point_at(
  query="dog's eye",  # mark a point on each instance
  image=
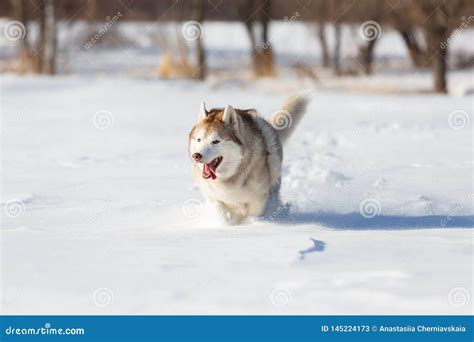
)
(216, 142)
(199, 139)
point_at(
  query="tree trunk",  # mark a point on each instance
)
(324, 44)
(337, 49)
(366, 55)
(436, 35)
(50, 47)
(20, 13)
(38, 58)
(417, 54)
(265, 51)
(440, 70)
(198, 15)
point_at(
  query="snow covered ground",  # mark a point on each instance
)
(100, 215)
(116, 209)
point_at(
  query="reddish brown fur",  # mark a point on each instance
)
(214, 123)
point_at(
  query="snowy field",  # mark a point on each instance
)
(100, 214)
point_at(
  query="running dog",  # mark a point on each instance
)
(237, 155)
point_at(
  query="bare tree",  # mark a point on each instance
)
(439, 19)
(366, 50)
(50, 44)
(197, 13)
(38, 59)
(324, 44)
(321, 13)
(415, 50)
(336, 10)
(260, 45)
(265, 56)
(20, 12)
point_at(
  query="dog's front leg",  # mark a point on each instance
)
(232, 215)
(256, 207)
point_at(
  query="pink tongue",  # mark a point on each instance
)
(210, 170)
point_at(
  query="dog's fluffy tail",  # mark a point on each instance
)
(289, 115)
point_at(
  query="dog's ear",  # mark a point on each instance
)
(230, 116)
(203, 111)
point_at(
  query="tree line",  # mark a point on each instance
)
(425, 26)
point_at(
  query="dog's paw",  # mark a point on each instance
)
(233, 219)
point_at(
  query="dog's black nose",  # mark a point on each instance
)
(197, 156)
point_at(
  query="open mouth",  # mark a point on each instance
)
(209, 170)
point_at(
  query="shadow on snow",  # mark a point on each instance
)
(355, 221)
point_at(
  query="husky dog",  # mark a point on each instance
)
(237, 157)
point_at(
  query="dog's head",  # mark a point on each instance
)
(214, 144)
